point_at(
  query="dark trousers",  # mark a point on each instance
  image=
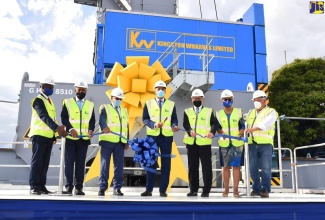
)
(41, 153)
(165, 147)
(196, 153)
(106, 150)
(75, 157)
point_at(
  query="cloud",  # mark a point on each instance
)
(42, 38)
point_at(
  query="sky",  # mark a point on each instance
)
(56, 37)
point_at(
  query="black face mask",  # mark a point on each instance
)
(81, 95)
(197, 103)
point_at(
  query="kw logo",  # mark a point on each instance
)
(139, 40)
(316, 7)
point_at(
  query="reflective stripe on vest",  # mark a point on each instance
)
(79, 120)
(231, 128)
(159, 116)
(260, 137)
(37, 126)
(200, 124)
(115, 124)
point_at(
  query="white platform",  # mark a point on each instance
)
(175, 195)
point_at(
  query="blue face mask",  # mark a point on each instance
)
(227, 103)
(161, 93)
(117, 103)
(48, 91)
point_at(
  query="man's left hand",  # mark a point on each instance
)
(90, 134)
(210, 135)
(175, 129)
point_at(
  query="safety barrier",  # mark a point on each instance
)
(245, 169)
(304, 165)
(295, 165)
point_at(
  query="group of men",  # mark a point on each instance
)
(201, 124)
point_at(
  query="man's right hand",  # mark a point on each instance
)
(193, 133)
(61, 130)
(160, 124)
(74, 133)
(107, 130)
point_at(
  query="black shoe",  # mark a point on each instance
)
(35, 192)
(264, 194)
(146, 193)
(69, 189)
(101, 193)
(205, 194)
(117, 193)
(45, 191)
(192, 194)
(255, 193)
(79, 192)
(163, 194)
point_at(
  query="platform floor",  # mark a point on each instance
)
(174, 195)
(16, 203)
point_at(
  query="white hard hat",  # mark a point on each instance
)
(81, 83)
(160, 83)
(197, 92)
(47, 80)
(226, 93)
(117, 92)
(258, 93)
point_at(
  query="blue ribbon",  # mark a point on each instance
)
(232, 137)
(221, 135)
(146, 151)
(81, 136)
(190, 131)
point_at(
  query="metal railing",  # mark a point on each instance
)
(245, 168)
(304, 165)
(299, 148)
(173, 49)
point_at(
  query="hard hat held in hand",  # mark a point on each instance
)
(47, 80)
(259, 93)
(117, 92)
(197, 92)
(226, 94)
(160, 83)
(81, 84)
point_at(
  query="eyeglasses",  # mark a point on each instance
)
(227, 99)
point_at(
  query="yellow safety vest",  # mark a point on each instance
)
(37, 126)
(115, 123)
(230, 127)
(260, 137)
(201, 125)
(79, 120)
(160, 116)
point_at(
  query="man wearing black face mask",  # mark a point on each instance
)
(42, 134)
(201, 125)
(79, 118)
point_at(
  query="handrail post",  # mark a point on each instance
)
(60, 191)
(296, 172)
(279, 151)
(248, 177)
(292, 170)
(61, 177)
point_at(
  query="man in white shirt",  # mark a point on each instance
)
(261, 130)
